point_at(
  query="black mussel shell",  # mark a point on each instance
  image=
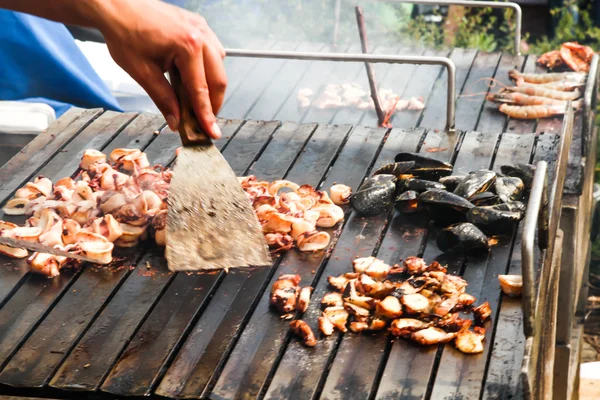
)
(395, 168)
(523, 171)
(445, 206)
(463, 237)
(418, 185)
(485, 199)
(451, 181)
(509, 188)
(515, 206)
(374, 197)
(425, 167)
(377, 180)
(407, 202)
(493, 220)
(476, 182)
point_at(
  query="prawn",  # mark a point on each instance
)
(562, 86)
(534, 90)
(532, 112)
(523, 99)
(519, 77)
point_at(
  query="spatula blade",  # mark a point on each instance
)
(210, 221)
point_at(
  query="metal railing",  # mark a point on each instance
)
(389, 59)
(464, 3)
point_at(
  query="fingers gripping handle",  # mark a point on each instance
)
(189, 128)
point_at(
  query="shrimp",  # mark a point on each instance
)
(522, 99)
(562, 86)
(520, 78)
(531, 112)
(534, 90)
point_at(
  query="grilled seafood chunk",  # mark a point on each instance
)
(431, 335)
(337, 316)
(469, 342)
(303, 331)
(416, 303)
(482, 312)
(389, 307)
(332, 299)
(511, 285)
(304, 298)
(405, 327)
(415, 265)
(284, 293)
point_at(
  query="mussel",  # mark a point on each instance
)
(523, 171)
(509, 188)
(395, 168)
(491, 219)
(463, 237)
(451, 181)
(418, 185)
(445, 206)
(375, 196)
(425, 167)
(484, 199)
(515, 206)
(476, 182)
(407, 202)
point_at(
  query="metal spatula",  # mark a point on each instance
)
(210, 222)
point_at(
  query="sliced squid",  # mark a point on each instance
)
(313, 241)
(90, 157)
(340, 194)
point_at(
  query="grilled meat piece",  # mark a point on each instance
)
(415, 265)
(338, 316)
(511, 285)
(416, 303)
(482, 312)
(389, 307)
(469, 342)
(332, 299)
(406, 326)
(431, 335)
(304, 298)
(303, 331)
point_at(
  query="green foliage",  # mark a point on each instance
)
(568, 29)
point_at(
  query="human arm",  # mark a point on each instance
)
(147, 38)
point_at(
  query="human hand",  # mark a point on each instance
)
(148, 38)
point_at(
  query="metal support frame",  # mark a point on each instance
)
(540, 298)
(589, 102)
(464, 3)
(389, 59)
(535, 208)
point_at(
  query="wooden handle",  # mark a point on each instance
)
(189, 128)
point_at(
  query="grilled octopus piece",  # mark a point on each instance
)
(303, 331)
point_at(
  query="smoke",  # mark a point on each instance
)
(236, 22)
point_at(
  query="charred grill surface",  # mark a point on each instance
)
(137, 330)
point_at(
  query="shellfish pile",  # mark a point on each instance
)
(291, 218)
(414, 300)
(120, 200)
(476, 206)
